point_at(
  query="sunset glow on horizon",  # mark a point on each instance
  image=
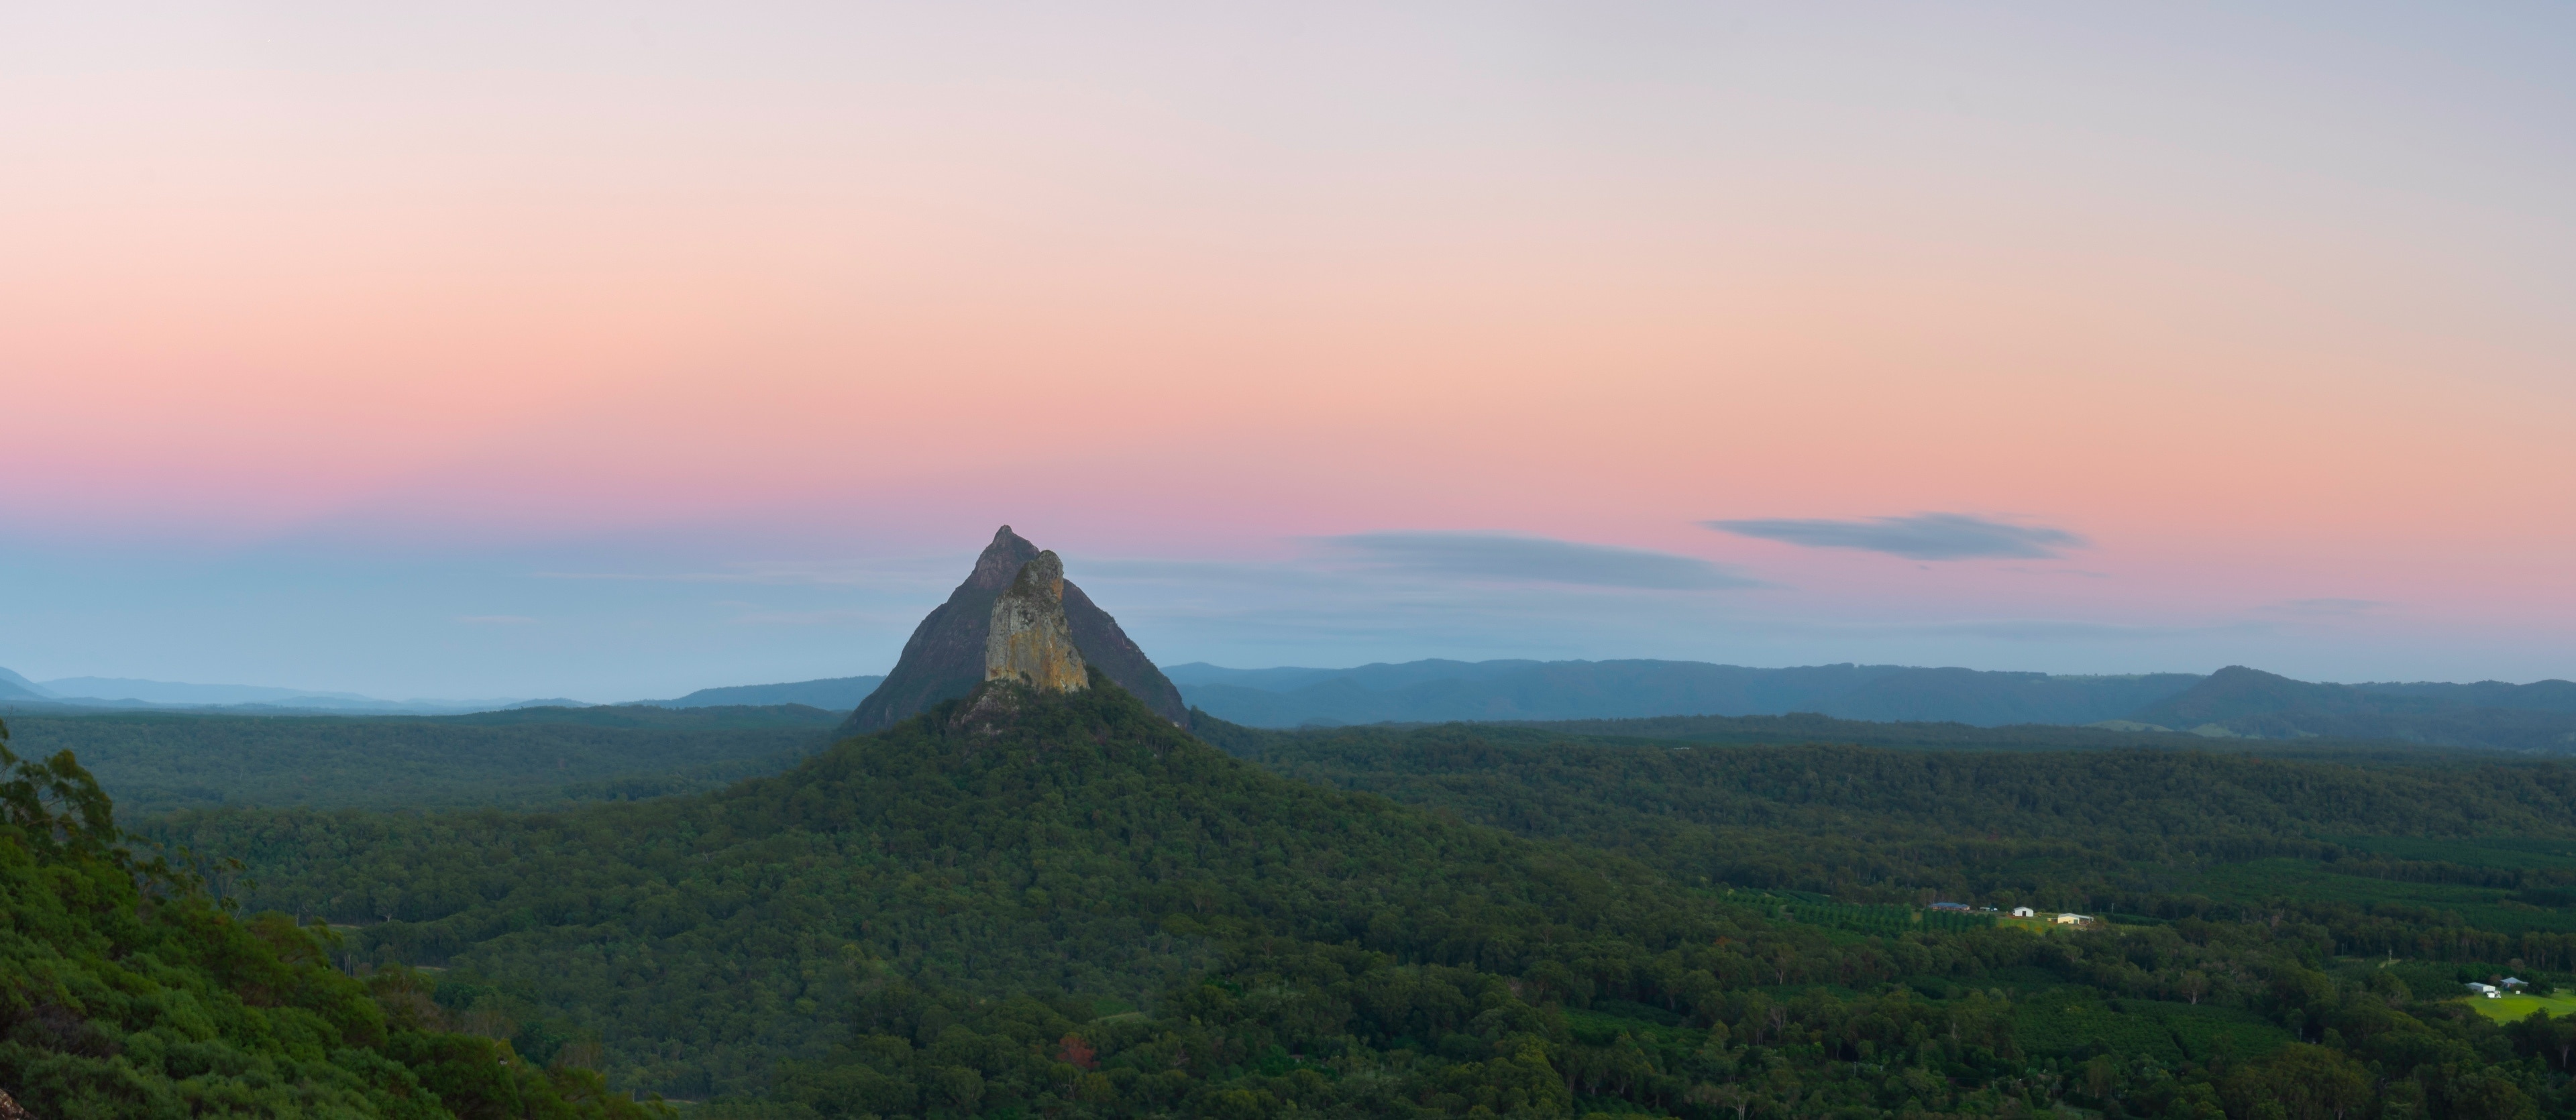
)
(618, 351)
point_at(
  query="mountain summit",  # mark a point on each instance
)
(950, 652)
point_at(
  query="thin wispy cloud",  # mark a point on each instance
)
(2332, 606)
(1515, 558)
(814, 618)
(2069, 630)
(780, 573)
(1920, 536)
(746, 613)
(1234, 576)
(2078, 573)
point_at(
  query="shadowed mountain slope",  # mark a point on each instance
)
(944, 659)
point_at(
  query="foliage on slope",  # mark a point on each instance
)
(125, 991)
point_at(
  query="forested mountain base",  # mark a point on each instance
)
(1089, 913)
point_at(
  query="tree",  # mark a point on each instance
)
(2307, 1082)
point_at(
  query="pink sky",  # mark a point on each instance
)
(2268, 311)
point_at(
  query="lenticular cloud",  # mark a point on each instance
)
(1921, 536)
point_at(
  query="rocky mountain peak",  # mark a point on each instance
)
(1030, 640)
(947, 655)
(1002, 560)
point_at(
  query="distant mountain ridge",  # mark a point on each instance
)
(15, 687)
(2236, 692)
(70, 694)
(174, 692)
(1431, 691)
(121, 693)
(2249, 702)
(2233, 702)
(843, 693)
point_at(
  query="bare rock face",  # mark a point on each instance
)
(946, 657)
(1031, 641)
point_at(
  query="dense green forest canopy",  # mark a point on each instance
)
(1083, 912)
(2140, 830)
(157, 762)
(127, 991)
(1088, 847)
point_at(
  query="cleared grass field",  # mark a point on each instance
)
(2515, 1008)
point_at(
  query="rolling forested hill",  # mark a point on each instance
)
(1086, 912)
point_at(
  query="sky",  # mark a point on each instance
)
(616, 350)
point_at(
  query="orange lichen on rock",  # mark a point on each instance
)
(1030, 640)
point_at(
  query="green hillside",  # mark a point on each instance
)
(126, 991)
